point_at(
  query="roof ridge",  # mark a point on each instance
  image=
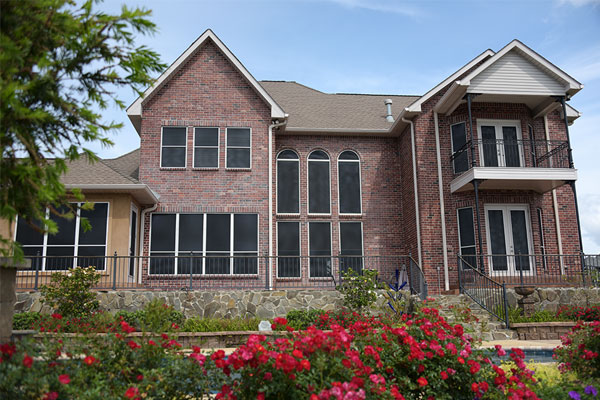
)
(376, 94)
(118, 172)
(121, 156)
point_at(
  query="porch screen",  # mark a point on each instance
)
(288, 249)
(245, 243)
(319, 249)
(218, 242)
(351, 246)
(459, 141)
(349, 183)
(319, 189)
(467, 237)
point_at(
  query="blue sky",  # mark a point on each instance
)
(391, 47)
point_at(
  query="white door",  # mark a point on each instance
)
(501, 143)
(508, 232)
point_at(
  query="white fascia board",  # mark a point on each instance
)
(117, 188)
(451, 99)
(135, 109)
(335, 130)
(573, 86)
(416, 106)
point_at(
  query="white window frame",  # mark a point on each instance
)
(230, 253)
(227, 147)
(330, 250)
(359, 183)
(161, 147)
(308, 161)
(299, 250)
(76, 239)
(218, 147)
(498, 124)
(277, 183)
(511, 271)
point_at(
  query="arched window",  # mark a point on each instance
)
(288, 182)
(319, 183)
(349, 183)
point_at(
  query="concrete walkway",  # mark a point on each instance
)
(523, 344)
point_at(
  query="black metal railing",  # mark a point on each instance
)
(512, 153)
(219, 272)
(537, 269)
(483, 290)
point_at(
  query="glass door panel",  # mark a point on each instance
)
(519, 239)
(489, 145)
(497, 240)
(512, 157)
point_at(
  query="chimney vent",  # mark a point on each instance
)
(388, 106)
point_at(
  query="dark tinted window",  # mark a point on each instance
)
(66, 229)
(459, 140)
(318, 184)
(174, 136)
(190, 233)
(349, 187)
(163, 232)
(288, 247)
(288, 178)
(351, 245)
(320, 245)
(206, 137)
(466, 231)
(173, 147)
(245, 232)
(27, 235)
(238, 137)
(217, 232)
(206, 148)
(97, 219)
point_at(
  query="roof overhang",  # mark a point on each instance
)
(335, 131)
(134, 111)
(140, 192)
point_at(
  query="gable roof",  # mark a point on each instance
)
(311, 110)
(134, 111)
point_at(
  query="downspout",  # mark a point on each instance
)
(442, 207)
(270, 262)
(554, 201)
(143, 236)
(414, 162)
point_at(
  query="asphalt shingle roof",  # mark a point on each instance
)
(310, 108)
(118, 171)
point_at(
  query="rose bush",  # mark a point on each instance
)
(576, 313)
(580, 350)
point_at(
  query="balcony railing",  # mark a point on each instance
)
(512, 153)
(240, 272)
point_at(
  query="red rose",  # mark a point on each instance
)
(422, 381)
(64, 379)
(131, 392)
(50, 396)
(27, 361)
(444, 375)
(56, 316)
(89, 360)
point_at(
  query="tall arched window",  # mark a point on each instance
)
(349, 183)
(319, 183)
(288, 182)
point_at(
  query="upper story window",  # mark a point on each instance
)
(173, 147)
(349, 183)
(288, 182)
(238, 148)
(459, 147)
(71, 246)
(206, 147)
(319, 183)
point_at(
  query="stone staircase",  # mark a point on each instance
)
(477, 322)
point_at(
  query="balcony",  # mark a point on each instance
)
(500, 164)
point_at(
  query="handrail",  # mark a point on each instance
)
(483, 290)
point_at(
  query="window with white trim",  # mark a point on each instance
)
(351, 246)
(71, 245)
(173, 147)
(466, 236)
(319, 183)
(288, 249)
(206, 147)
(215, 244)
(319, 244)
(288, 182)
(349, 183)
(238, 148)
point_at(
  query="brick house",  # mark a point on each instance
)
(240, 183)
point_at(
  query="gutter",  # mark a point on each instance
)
(414, 162)
(132, 186)
(270, 263)
(442, 206)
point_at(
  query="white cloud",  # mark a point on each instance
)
(389, 6)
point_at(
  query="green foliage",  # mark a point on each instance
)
(580, 350)
(60, 62)
(25, 320)
(576, 313)
(302, 319)
(359, 290)
(70, 294)
(157, 316)
(197, 324)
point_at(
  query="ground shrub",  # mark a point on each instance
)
(197, 324)
(157, 316)
(302, 319)
(25, 320)
(359, 289)
(575, 313)
(70, 295)
(580, 350)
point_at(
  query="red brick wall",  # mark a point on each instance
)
(207, 91)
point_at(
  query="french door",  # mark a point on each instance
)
(501, 143)
(508, 231)
(132, 243)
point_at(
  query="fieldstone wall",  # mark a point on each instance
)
(551, 299)
(262, 304)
